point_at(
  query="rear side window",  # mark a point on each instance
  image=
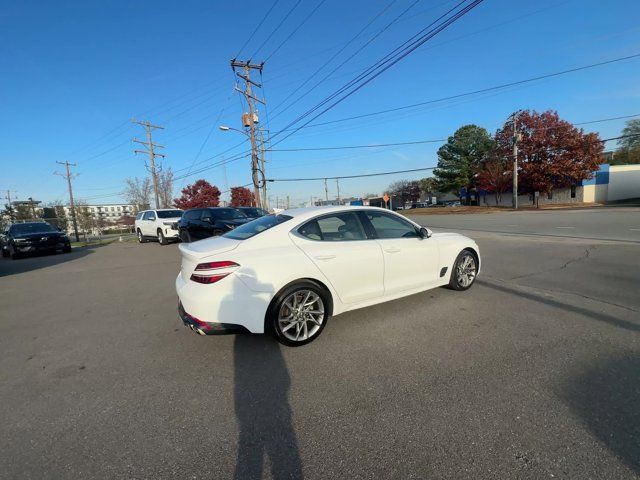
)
(192, 215)
(338, 227)
(257, 226)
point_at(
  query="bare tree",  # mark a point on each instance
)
(165, 188)
(138, 192)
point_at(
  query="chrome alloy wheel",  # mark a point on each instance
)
(466, 270)
(301, 315)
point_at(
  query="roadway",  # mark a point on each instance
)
(533, 373)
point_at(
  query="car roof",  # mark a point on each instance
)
(309, 212)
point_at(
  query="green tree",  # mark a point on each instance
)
(429, 184)
(628, 150)
(460, 158)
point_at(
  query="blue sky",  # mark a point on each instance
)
(76, 73)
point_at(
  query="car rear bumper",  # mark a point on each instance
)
(205, 328)
(227, 306)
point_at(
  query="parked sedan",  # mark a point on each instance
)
(34, 237)
(253, 212)
(199, 223)
(288, 273)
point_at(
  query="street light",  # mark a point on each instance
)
(224, 128)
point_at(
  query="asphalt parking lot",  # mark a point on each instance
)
(533, 373)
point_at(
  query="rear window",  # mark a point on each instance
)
(169, 213)
(258, 225)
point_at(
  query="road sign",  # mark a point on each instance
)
(385, 197)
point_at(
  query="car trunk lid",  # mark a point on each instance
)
(210, 249)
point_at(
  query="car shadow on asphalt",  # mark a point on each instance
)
(601, 317)
(9, 266)
(262, 410)
(607, 399)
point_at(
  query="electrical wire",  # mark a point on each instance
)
(382, 65)
(246, 42)
(295, 30)
(284, 19)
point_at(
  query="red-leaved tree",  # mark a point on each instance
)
(200, 194)
(551, 151)
(241, 197)
(495, 176)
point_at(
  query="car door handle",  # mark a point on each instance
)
(324, 257)
(392, 250)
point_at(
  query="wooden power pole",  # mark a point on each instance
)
(516, 137)
(152, 155)
(68, 176)
(250, 118)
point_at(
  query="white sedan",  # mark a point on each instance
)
(290, 272)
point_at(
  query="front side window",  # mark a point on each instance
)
(391, 226)
(139, 215)
(149, 216)
(257, 226)
(227, 214)
(337, 227)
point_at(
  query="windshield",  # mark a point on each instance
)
(256, 226)
(21, 228)
(227, 213)
(169, 213)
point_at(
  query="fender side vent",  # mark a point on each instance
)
(443, 270)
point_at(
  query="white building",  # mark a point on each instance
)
(109, 213)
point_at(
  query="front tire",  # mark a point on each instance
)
(66, 249)
(141, 238)
(299, 313)
(465, 271)
(162, 240)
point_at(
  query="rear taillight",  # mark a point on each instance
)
(208, 278)
(216, 265)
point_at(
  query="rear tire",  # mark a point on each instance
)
(162, 240)
(5, 253)
(465, 271)
(298, 313)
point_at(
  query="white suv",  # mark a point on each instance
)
(159, 224)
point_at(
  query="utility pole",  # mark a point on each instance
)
(516, 138)
(71, 204)
(326, 191)
(9, 205)
(251, 117)
(263, 180)
(152, 155)
(338, 185)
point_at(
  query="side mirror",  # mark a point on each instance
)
(425, 232)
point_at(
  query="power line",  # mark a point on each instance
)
(349, 176)
(344, 147)
(295, 30)
(475, 92)
(438, 140)
(257, 28)
(362, 47)
(384, 64)
(284, 19)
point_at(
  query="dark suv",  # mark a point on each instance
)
(200, 223)
(33, 237)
